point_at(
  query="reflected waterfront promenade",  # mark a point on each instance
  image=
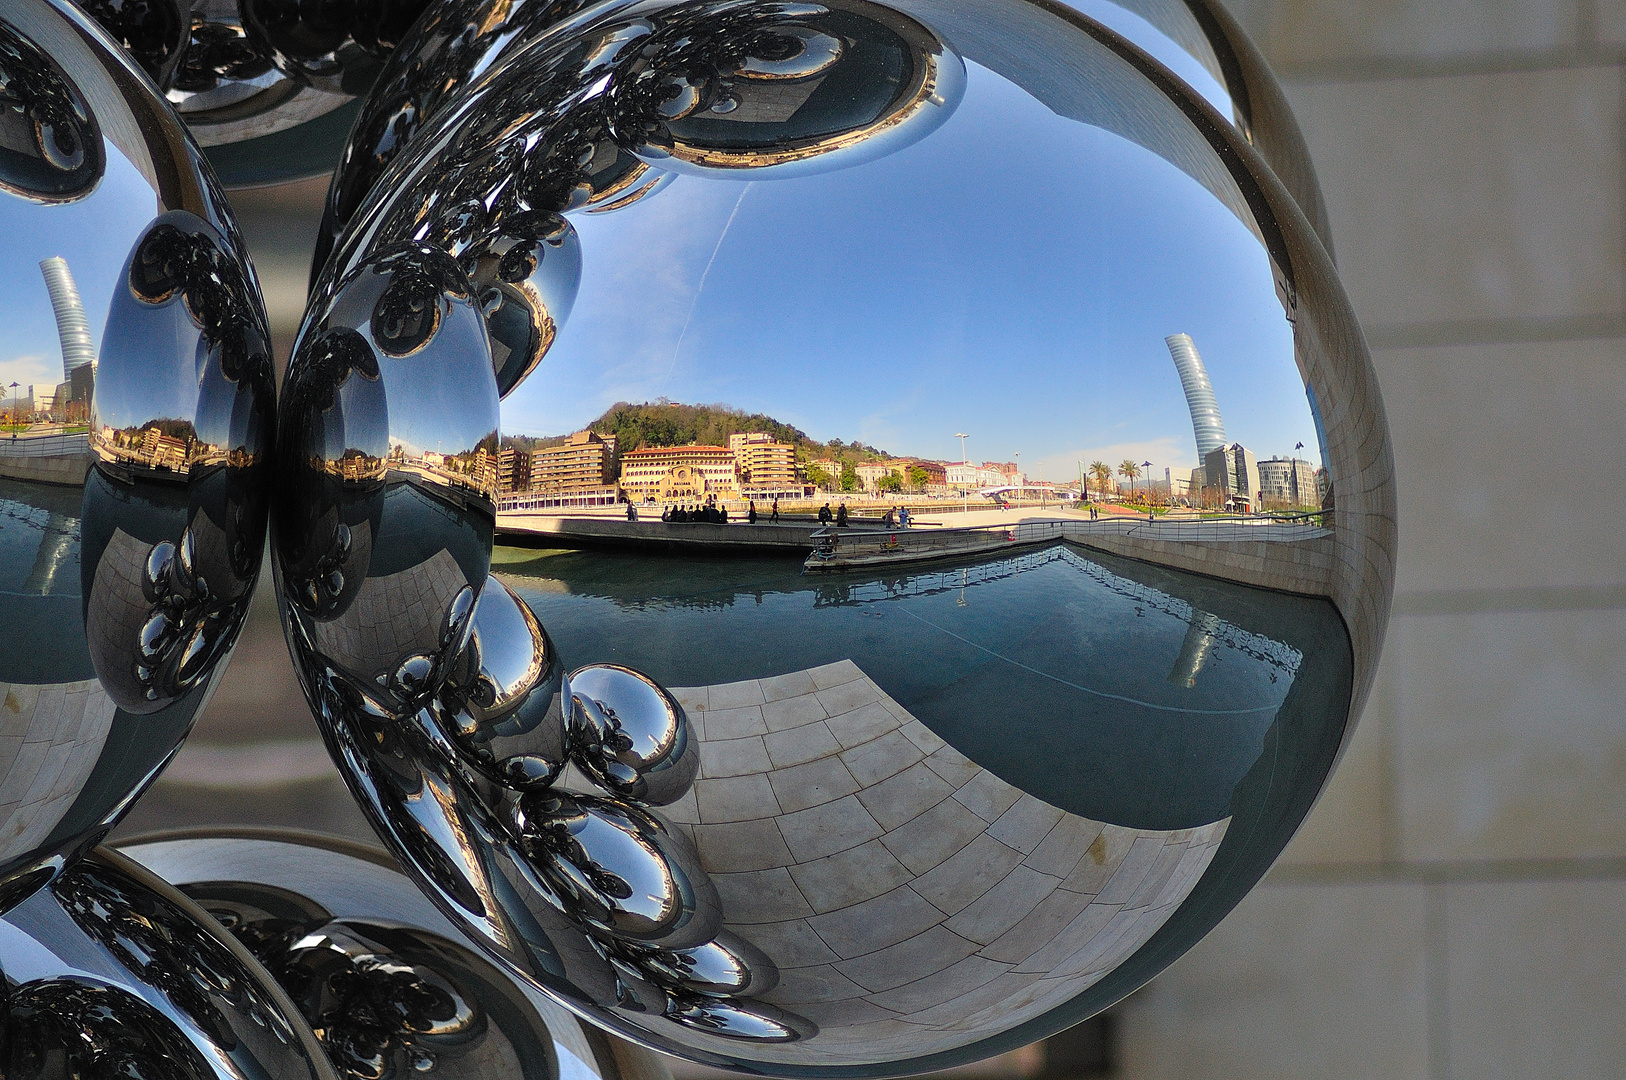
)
(1173, 709)
(1289, 552)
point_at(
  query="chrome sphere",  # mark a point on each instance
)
(631, 736)
(381, 976)
(958, 781)
(110, 971)
(270, 86)
(133, 470)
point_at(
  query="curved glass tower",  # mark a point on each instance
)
(1205, 414)
(71, 324)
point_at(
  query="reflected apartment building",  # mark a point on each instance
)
(585, 470)
(473, 470)
(767, 467)
(679, 473)
(153, 450)
(583, 464)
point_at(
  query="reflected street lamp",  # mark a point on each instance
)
(1296, 449)
(965, 498)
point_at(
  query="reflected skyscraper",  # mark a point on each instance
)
(71, 325)
(1205, 414)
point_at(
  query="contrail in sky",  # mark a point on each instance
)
(702, 286)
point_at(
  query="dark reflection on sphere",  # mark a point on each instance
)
(886, 796)
(154, 31)
(332, 44)
(112, 972)
(436, 55)
(383, 977)
(50, 143)
(135, 487)
(624, 871)
(218, 57)
(387, 473)
(631, 738)
(504, 703)
(71, 1028)
(525, 276)
(244, 73)
(775, 88)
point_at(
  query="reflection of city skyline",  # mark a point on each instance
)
(472, 470)
(164, 448)
(1013, 378)
(594, 466)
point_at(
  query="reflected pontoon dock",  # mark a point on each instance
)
(557, 530)
(1285, 552)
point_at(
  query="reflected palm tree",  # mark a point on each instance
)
(1102, 473)
(1128, 470)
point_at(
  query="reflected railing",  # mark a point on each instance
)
(46, 446)
(835, 546)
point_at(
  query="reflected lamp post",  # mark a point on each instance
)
(965, 498)
(1296, 448)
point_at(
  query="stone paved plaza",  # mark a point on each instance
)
(890, 874)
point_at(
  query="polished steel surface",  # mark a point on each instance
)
(992, 746)
(242, 73)
(134, 474)
(631, 738)
(110, 971)
(384, 979)
(961, 782)
(1196, 41)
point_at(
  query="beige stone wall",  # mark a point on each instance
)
(1454, 906)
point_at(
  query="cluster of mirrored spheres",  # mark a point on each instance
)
(939, 793)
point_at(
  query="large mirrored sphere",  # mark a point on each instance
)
(385, 981)
(958, 447)
(137, 415)
(112, 972)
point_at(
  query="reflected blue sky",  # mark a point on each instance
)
(1012, 276)
(1162, 48)
(94, 235)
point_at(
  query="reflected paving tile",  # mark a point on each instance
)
(906, 888)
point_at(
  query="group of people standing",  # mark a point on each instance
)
(897, 517)
(712, 514)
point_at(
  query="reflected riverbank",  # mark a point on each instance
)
(1153, 692)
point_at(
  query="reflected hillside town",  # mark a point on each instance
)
(650, 455)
